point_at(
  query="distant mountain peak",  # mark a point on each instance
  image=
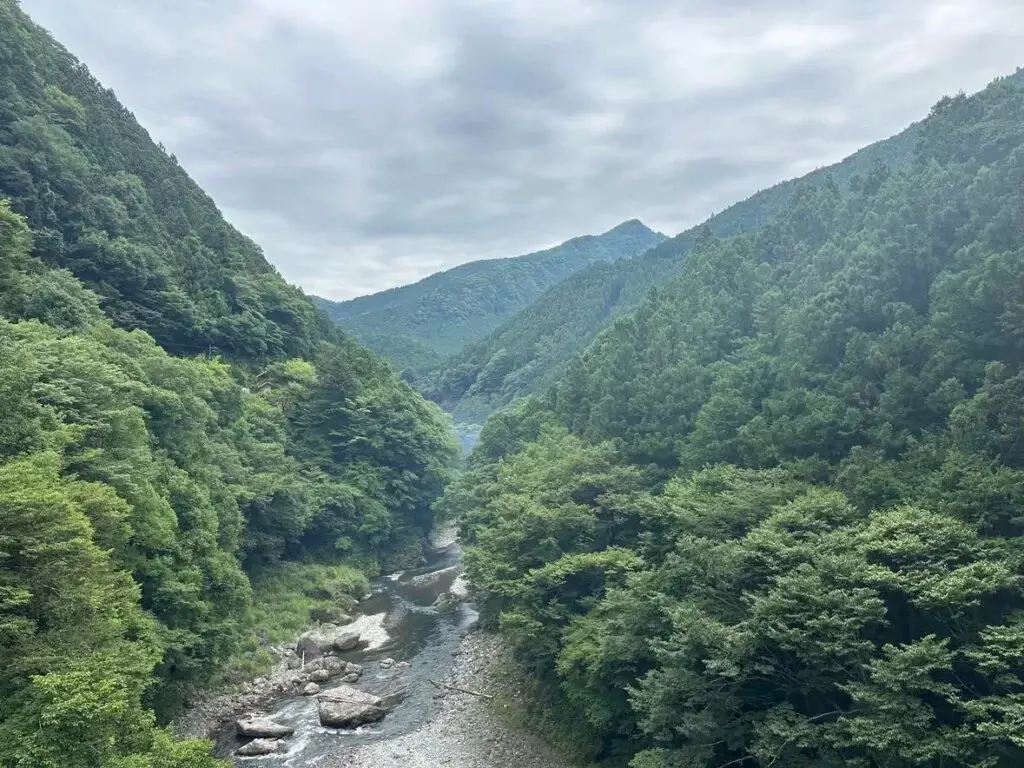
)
(449, 309)
(632, 227)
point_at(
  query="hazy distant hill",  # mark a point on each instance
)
(530, 349)
(440, 314)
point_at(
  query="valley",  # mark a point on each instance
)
(750, 495)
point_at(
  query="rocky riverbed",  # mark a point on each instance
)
(464, 731)
(410, 639)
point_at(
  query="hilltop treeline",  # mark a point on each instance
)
(175, 420)
(773, 517)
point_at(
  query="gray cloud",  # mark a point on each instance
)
(366, 145)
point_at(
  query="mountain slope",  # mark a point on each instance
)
(773, 516)
(530, 350)
(445, 311)
(116, 210)
(166, 514)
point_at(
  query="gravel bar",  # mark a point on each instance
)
(465, 731)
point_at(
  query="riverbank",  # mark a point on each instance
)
(464, 731)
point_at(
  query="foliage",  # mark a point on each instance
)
(530, 350)
(416, 326)
(143, 491)
(120, 214)
(773, 517)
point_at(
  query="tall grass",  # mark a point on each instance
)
(287, 600)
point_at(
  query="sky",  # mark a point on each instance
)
(366, 145)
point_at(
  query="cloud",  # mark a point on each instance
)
(366, 145)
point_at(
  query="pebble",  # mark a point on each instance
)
(463, 732)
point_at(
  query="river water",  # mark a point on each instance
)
(400, 624)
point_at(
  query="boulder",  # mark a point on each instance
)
(346, 641)
(446, 602)
(402, 665)
(316, 642)
(311, 689)
(319, 676)
(309, 646)
(332, 665)
(387, 663)
(292, 661)
(353, 669)
(262, 728)
(259, 747)
(347, 707)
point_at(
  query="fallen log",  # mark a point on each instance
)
(455, 688)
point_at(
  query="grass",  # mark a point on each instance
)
(287, 600)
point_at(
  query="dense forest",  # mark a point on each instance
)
(527, 353)
(177, 423)
(773, 518)
(417, 326)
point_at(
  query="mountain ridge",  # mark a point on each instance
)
(759, 520)
(529, 350)
(187, 444)
(448, 309)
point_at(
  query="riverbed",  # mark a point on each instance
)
(463, 731)
(397, 623)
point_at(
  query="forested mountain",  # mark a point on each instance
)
(773, 518)
(529, 351)
(143, 488)
(418, 325)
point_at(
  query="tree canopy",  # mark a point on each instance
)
(175, 420)
(417, 326)
(772, 518)
(530, 350)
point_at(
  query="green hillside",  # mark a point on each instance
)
(773, 516)
(178, 427)
(447, 310)
(528, 352)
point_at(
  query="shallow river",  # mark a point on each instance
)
(399, 624)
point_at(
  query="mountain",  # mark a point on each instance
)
(530, 349)
(444, 312)
(772, 517)
(194, 461)
(120, 214)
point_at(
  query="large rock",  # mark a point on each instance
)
(447, 602)
(311, 689)
(347, 707)
(332, 665)
(259, 747)
(314, 644)
(326, 639)
(319, 676)
(346, 641)
(262, 728)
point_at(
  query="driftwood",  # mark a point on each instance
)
(440, 686)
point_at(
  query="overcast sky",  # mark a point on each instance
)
(368, 143)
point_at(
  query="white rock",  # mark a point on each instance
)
(348, 707)
(259, 747)
(262, 728)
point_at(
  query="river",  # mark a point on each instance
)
(400, 624)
